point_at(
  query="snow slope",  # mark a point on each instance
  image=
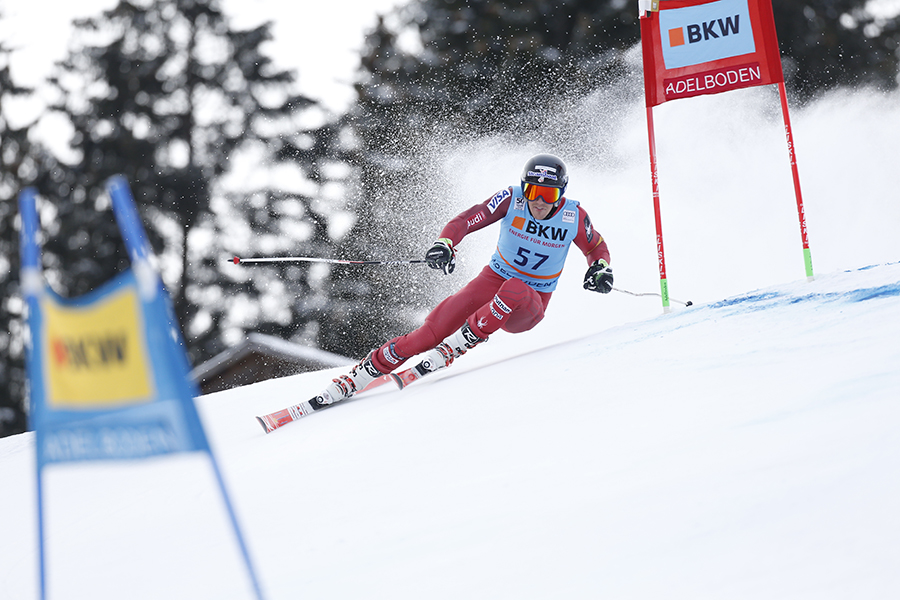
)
(745, 447)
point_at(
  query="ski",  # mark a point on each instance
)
(279, 418)
(273, 421)
(408, 376)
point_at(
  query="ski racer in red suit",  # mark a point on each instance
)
(538, 225)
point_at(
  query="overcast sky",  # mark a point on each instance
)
(320, 40)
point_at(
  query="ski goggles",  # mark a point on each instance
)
(550, 195)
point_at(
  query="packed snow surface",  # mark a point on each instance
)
(744, 448)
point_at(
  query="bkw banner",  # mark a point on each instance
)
(696, 47)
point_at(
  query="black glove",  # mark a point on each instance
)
(599, 277)
(442, 256)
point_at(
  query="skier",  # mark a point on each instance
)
(538, 225)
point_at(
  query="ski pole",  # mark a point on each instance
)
(334, 261)
(688, 303)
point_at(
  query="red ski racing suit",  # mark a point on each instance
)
(513, 290)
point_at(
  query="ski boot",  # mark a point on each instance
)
(440, 356)
(345, 386)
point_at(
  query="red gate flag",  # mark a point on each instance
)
(696, 47)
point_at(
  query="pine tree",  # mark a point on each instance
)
(12, 376)
(22, 163)
(167, 94)
(827, 44)
(489, 65)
